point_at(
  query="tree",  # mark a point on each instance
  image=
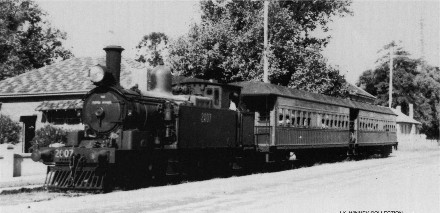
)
(9, 130)
(228, 43)
(48, 135)
(152, 49)
(27, 41)
(414, 82)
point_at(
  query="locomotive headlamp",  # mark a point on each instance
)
(96, 73)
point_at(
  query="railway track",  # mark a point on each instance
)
(38, 193)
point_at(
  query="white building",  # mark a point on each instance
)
(53, 94)
(406, 125)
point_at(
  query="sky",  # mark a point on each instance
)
(356, 39)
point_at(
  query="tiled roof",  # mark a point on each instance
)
(65, 76)
(402, 118)
(358, 91)
(62, 104)
(251, 88)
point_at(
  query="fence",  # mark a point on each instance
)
(417, 143)
(18, 164)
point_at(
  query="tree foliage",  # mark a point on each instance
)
(9, 130)
(152, 49)
(228, 44)
(48, 135)
(414, 82)
(27, 40)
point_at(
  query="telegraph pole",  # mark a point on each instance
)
(265, 61)
(390, 87)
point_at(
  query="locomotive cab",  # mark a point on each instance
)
(223, 96)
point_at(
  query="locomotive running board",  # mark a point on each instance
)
(61, 177)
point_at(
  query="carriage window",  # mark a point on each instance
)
(332, 121)
(209, 91)
(339, 121)
(286, 117)
(216, 96)
(327, 121)
(367, 121)
(293, 116)
(263, 116)
(362, 124)
(298, 118)
(318, 120)
(365, 124)
(280, 117)
(342, 121)
(309, 119)
(304, 119)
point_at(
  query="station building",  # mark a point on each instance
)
(406, 124)
(53, 94)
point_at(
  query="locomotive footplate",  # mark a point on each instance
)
(80, 177)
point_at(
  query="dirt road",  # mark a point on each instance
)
(405, 182)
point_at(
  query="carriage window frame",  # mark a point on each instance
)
(309, 119)
(263, 116)
(288, 117)
(280, 120)
(304, 120)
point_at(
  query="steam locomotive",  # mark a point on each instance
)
(193, 126)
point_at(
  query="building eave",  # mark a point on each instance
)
(41, 94)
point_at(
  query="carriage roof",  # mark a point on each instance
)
(253, 88)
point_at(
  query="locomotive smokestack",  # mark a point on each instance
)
(113, 61)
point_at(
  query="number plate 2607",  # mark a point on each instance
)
(63, 153)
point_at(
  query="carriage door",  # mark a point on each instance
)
(354, 124)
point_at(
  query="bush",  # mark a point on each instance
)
(417, 143)
(48, 135)
(9, 130)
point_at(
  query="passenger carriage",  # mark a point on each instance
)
(314, 125)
